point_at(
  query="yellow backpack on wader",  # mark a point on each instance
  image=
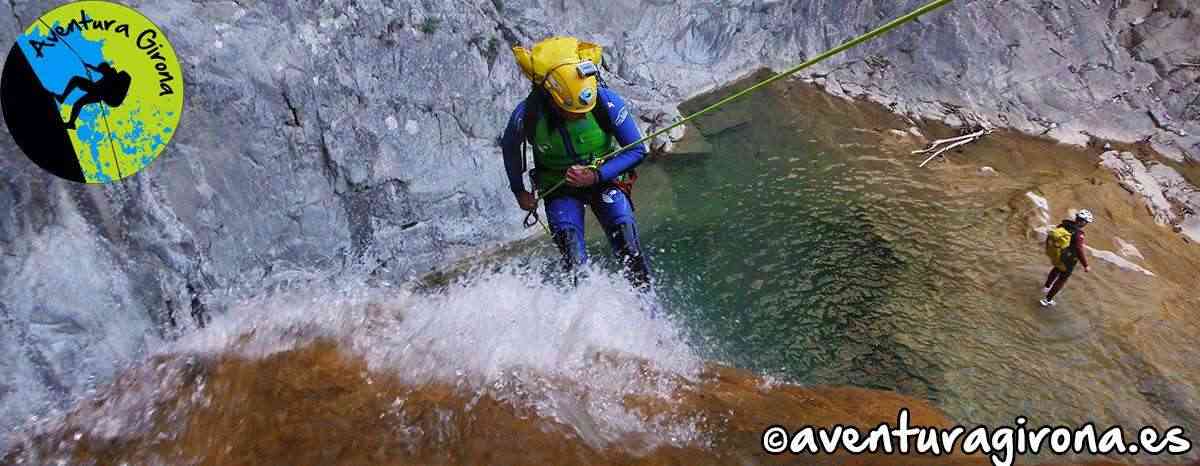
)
(1057, 241)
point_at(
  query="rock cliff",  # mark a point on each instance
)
(325, 137)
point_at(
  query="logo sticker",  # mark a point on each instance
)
(607, 196)
(622, 115)
(92, 91)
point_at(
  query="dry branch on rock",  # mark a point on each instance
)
(938, 149)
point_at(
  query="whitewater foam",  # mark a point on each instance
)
(572, 355)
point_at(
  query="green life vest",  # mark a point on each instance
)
(552, 156)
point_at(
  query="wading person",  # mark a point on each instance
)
(1064, 246)
(571, 120)
(111, 88)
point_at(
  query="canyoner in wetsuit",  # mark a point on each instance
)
(571, 120)
(1064, 247)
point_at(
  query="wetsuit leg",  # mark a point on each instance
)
(1061, 281)
(1058, 286)
(1051, 278)
(615, 213)
(565, 214)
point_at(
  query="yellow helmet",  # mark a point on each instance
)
(566, 68)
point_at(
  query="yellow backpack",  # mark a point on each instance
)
(1057, 241)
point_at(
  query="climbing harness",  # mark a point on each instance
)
(532, 217)
(103, 105)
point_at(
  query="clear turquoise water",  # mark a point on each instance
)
(777, 262)
(801, 248)
(783, 254)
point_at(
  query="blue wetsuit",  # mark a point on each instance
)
(610, 205)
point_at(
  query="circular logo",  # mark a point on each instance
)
(92, 91)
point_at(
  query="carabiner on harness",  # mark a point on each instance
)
(532, 218)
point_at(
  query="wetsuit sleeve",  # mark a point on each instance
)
(510, 143)
(1079, 250)
(627, 131)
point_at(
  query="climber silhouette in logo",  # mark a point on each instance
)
(111, 89)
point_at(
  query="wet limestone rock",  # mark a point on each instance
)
(360, 138)
(1168, 196)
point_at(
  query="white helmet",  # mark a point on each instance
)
(1085, 216)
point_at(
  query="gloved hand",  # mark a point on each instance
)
(526, 201)
(580, 176)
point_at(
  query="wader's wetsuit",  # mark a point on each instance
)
(1066, 262)
(557, 145)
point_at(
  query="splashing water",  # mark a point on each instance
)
(572, 356)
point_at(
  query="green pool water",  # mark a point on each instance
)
(804, 248)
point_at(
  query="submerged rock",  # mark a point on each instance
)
(1042, 205)
(1120, 262)
(316, 404)
(1128, 249)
